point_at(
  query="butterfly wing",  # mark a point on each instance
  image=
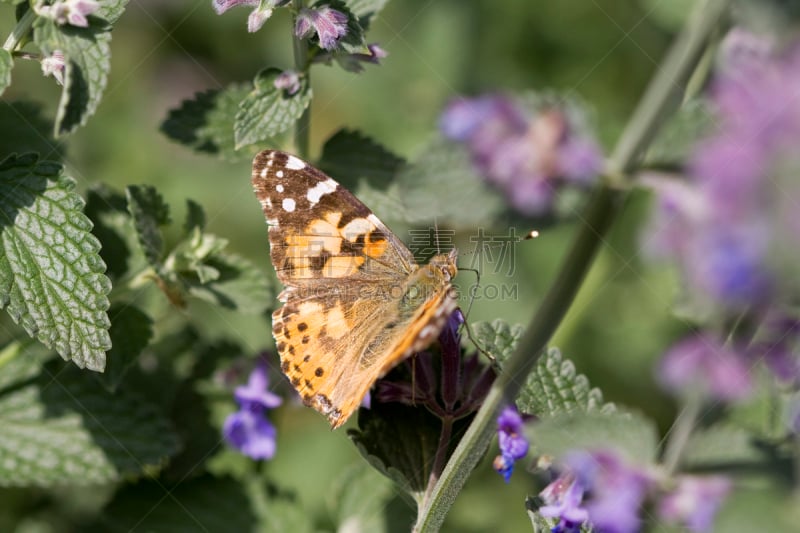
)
(347, 317)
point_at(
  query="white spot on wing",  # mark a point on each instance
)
(269, 162)
(317, 191)
(279, 173)
(356, 227)
(279, 187)
(288, 205)
(294, 164)
(264, 172)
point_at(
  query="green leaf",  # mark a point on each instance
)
(6, 64)
(498, 338)
(195, 217)
(267, 111)
(23, 129)
(131, 331)
(729, 447)
(353, 41)
(108, 210)
(206, 122)
(363, 500)
(111, 10)
(149, 212)
(87, 56)
(203, 504)
(441, 182)
(757, 509)
(351, 156)
(632, 434)
(400, 442)
(555, 388)
(239, 285)
(62, 427)
(365, 10)
(51, 275)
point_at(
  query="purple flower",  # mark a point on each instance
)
(329, 24)
(778, 344)
(54, 65)
(527, 155)
(563, 498)
(248, 430)
(695, 501)
(251, 433)
(703, 364)
(259, 15)
(73, 12)
(613, 491)
(513, 444)
(289, 81)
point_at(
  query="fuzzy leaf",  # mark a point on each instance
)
(555, 388)
(131, 330)
(632, 434)
(195, 217)
(111, 10)
(6, 64)
(149, 212)
(498, 338)
(108, 210)
(61, 427)
(51, 275)
(267, 111)
(350, 156)
(365, 8)
(364, 501)
(206, 122)
(441, 181)
(720, 445)
(87, 55)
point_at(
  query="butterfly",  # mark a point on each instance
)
(355, 302)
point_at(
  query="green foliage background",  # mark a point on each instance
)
(602, 52)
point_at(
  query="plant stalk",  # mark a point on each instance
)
(20, 31)
(302, 65)
(661, 98)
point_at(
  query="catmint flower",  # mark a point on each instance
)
(513, 444)
(562, 499)
(248, 430)
(354, 62)
(694, 502)
(259, 15)
(613, 491)
(54, 65)
(527, 155)
(702, 364)
(73, 12)
(329, 24)
(289, 81)
(778, 344)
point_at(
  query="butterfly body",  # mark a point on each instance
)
(356, 303)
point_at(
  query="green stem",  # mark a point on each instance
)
(681, 431)
(21, 30)
(658, 101)
(302, 65)
(10, 352)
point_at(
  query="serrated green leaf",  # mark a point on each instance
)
(204, 504)
(24, 129)
(195, 217)
(278, 511)
(267, 111)
(350, 156)
(131, 331)
(149, 212)
(554, 387)
(363, 500)
(442, 183)
(108, 211)
(497, 337)
(87, 56)
(238, 284)
(678, 137)
(111, 10)
(206, 122)
(365, 8)
(631, 434)
(62, 427)
(51, 274)
(6, 64)
(722, 445)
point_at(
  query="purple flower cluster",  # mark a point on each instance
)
(248, 430)
(261, 12)
(329, 24)
(527, 155)
(54, 65)
(601, 489)
(731, 224)
(513, 444)
(73, 12)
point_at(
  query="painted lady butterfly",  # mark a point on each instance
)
(355, 303)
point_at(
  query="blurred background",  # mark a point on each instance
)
(601, 52)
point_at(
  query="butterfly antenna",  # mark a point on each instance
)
(468, 329)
